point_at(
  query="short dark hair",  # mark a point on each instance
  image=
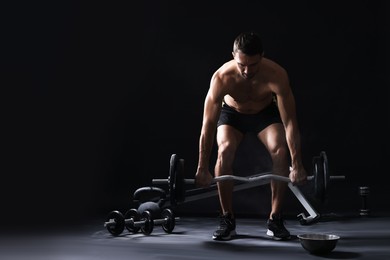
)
(248, 43)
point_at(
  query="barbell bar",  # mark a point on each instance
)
(265, 177)
(178, 194)
(177, 181)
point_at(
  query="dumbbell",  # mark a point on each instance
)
(115, 222)
(134, 221)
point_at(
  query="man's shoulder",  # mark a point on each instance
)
(272, 64)
(273, 68)
(226, 71)
(226, 68)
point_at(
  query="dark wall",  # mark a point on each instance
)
(99, 95)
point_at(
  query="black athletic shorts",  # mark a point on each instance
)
(249, 122)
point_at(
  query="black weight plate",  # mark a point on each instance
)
(326, 170)
(169, 225)
(147, 228)
(119, 222)
(319, 181)
(172, 179)
(132, 214)
(179, 182)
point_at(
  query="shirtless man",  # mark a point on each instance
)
(250, 93)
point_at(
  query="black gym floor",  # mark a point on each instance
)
(361, 238)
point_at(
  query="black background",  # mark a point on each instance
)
(98, 95)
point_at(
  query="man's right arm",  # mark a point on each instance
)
(207, 135)
(212, 109)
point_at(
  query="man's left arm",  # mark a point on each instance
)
(287, 109)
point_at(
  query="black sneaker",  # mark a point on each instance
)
(276, 228)
(226, 229)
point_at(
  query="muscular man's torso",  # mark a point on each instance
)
(249, 96)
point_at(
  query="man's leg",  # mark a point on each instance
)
(228, 139)
(274, 140)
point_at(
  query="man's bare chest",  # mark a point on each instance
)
(258, 92)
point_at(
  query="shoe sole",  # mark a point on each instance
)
(271, 234)
(231, 234)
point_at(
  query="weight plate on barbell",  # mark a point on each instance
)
(319, 178)
(179, 182)
(176, 180)
(326, 170)
(171, 178)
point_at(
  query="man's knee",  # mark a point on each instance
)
(226, 154)
(226, 151)
(279, 153)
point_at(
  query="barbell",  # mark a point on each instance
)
(176, 181)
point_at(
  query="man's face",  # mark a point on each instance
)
(247, 65)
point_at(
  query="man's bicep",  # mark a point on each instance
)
(286, 105)
(212, 107)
